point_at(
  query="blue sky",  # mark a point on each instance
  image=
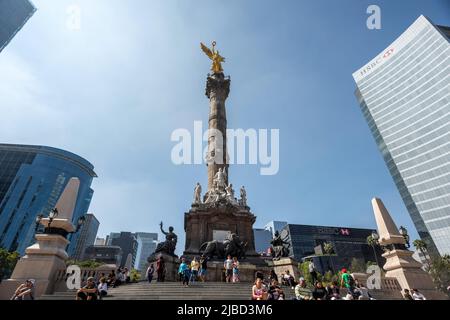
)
(114, 91)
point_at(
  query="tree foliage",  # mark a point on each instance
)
(88, 264)
(358, 266)
(440, 272)
(8, 262)
(135, 275)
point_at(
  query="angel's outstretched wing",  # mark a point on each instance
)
(206, 50)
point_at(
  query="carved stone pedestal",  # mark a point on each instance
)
(286, 264)
(401, 265)
(247, 270)
(204, 222)
(171, 264)
(41, 262)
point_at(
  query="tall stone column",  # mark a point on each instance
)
(217, 90)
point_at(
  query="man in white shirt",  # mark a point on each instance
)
(228, 265)
(312, 271)
(417, 295)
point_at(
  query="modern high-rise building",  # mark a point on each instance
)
(127, 242)
(262, 240)
(13, 16)
(100, 242)
(31, 180)
(104, 254)
(404, 94)
(274, 226)
(88, 233)
(348, 243)
(146, 245)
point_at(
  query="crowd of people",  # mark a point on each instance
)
(196, 270)
(94, 290)
(264, 288)
(349, 288)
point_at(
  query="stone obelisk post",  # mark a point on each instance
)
(217, 90)
(48, 255)
(399, 261)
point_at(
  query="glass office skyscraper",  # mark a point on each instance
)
(87, 236)
(13, 15)
(404, 94)
(146, 245)
(31, 180)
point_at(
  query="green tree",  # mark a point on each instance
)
(358, 265)
(371, 241)
(329, 250)
(88, 264)
(8, 261)
(304, 271)
(421, 246)
(440, 272)
(135, 275)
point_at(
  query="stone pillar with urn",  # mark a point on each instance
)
(48, 255)
(399, 261)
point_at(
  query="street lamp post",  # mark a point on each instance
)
(404, 232)
(38, 221)
(375, 237)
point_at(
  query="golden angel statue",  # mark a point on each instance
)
(214, 56)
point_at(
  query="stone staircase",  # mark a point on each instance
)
(174, 291)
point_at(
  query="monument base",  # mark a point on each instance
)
(171, 264)
(286, 264)
(247, 269)
(401, 265)
(212, 221)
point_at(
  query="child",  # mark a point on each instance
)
(235, 270)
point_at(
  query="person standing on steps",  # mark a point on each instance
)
(195, 266)
(160, 269)
(184, 271)
(150, 271)
(235, 270)
(203, 268)
(228, 266)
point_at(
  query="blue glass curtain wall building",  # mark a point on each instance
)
(31, 180)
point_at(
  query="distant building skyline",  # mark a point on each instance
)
(127, 242)
(404, 94)
(104, 254)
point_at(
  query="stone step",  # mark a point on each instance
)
(173, 291)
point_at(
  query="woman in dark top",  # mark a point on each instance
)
(275, 292)
(319, 292)
(333, 291)
(273, 276)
